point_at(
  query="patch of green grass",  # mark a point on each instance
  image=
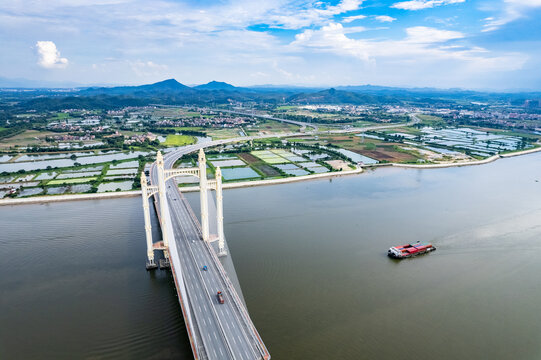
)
(188, 128)
(429, 120)
(179, 140)
(62, 115)
(71, 181)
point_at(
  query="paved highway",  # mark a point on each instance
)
(221, 331)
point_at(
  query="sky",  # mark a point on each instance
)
(473, 44)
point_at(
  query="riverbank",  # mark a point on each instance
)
(121, 194)
(71, 197)
(235, 185)
(458, 164)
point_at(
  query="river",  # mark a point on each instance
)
(311, 260)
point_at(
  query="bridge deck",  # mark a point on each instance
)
(216, 331)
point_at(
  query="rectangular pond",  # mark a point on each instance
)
(297, 172)
(113, 186)
(132, 172)
(287, 166)
(318, 169)
(29, 192)
(239, 173)
(87, 160)
(78, 175)
(228, 163)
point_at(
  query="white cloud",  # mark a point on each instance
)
(428, 35)
(291, 17)
(384, 18)
(423, 4)
(148, 68)
(349, 19)
(49, 56)
(423, 46)
(513, 10)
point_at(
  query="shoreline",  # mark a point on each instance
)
(469, 163)
(132, 193)
(236, 185)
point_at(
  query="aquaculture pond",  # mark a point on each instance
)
(239, 173)
(39, 165)
(113, 186)
(357, 157)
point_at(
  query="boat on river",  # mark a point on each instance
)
(409, 250)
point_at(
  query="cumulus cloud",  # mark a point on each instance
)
(424, 4)
(384, 18)
(349, 19)
(49, 56)
(422, 45)
(428, 35)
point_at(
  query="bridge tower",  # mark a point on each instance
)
(146, 192)
(164, 209)
(220, 213)
(204, 186)
(203, 195)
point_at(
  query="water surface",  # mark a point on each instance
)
(311, 261)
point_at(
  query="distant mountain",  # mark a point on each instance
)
(333, 96)
(215, 85)
(172, 92)
(169, 86)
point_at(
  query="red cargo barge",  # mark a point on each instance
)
(406, 251)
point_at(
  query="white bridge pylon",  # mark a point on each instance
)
(164, 175)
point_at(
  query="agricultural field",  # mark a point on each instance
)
(70, 179)
(27, 138)
(267, 163)
(271, 127)
(379, 150)
(224, 133)
(179, 140)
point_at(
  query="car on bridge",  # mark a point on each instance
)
(220, 297)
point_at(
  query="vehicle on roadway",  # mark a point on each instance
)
(220, 297)
(406, 251)
(205, 268)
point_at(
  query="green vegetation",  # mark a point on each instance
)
(432, 121)
(179, 140)
(61, 116)
(71, 181)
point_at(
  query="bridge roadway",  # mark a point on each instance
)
(218, 331)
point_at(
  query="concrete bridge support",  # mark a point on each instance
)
(220, 213)
(147, 191)
(164, 205)
(203, 195)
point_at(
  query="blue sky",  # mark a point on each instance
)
(478, 44)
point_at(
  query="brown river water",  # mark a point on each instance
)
(311, 260)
